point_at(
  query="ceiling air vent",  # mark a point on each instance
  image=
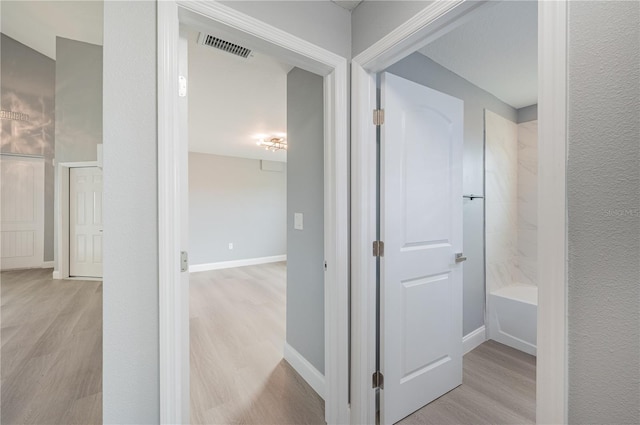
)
(234, 49)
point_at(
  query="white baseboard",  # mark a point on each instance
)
(236, 263)
(473, 339)
(47, 265)
(305, 369)
(56, 274)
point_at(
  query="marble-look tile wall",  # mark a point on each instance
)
(528, 202)
(511, 201)
(501, 201)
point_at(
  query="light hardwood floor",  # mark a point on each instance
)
(498, 387)
(51, 357)
(237, 337)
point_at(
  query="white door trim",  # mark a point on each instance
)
(429, 24)
(61, 208)
(552, 367)
(312, 58)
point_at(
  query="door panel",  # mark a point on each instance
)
(21, 212)
(85, 222)
(421, 226)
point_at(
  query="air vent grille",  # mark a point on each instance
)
(234, 49)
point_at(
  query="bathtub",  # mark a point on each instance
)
(513, 316)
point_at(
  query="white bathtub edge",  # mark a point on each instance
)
(473, 339)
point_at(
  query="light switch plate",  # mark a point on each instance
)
(298, 221)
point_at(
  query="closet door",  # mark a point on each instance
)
(85, 222)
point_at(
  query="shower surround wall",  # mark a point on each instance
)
(511, 164)
(501, 201)
(528, 203)
(511, 201)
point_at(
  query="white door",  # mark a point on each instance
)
(22, 212)
(85, 222)
(421, 227)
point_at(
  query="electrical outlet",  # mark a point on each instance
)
(230, 245)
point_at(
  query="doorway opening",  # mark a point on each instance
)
(423, 58)
(242, 30)
(256, 235)
(79, 220)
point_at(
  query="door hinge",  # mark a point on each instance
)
(378, 380)
(184, 261)
(325, 266)
(378, 116)
(182, 86)
(378, 249)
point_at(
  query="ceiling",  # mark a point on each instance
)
(37, 23)
(349, 5)
(497, 51)
(233, 101)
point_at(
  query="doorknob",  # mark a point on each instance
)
(460, 258)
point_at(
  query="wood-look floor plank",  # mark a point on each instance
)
(238, 375)
(498, 387)
(51, 357)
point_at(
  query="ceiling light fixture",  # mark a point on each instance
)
(273, 144)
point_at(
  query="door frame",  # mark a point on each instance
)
(426, 26)
(173, 383)
(62, 214)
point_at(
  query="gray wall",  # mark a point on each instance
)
(28, 86)
(603, 181)
(233, 200)
(78, 100)
(305, 194)
(372, 20)
(320, 22)
(130, 313)
(423, 70)
(528, 113)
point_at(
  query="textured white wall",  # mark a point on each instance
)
(603, 182)
(372, 20)
(130, 302)
(501, 200)
(320, 22)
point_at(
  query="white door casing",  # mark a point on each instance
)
(22, 212)
(291, 49)
(430, 23)
(421, 226)
(85, 222)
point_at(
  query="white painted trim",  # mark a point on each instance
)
(48, 264)
(89, 279)
(61, 212)
(363, 232)
(286, 47)
(424, 27)
(552, 368)
(306, 370)
(173, 383)
(474, 339)
(235, 263)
